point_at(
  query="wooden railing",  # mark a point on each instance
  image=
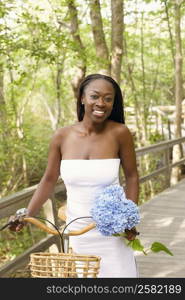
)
(9, 204)
(166, 148)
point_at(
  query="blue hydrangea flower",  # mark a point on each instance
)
(113, 212)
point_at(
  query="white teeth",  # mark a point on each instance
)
(99, 112)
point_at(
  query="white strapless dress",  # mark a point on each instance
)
(83, 179)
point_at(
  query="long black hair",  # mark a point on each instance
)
(117, 113)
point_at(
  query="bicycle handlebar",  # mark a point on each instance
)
(41, 225)
(55, 232)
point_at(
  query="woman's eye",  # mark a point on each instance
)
(94, 96)
(108, 99)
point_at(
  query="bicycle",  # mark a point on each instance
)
(65, 264)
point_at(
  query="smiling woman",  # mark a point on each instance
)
(98, 97)
(101, 89)
(88, 156)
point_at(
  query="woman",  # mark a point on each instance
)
(88, 155)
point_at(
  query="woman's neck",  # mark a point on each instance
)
(91, 127)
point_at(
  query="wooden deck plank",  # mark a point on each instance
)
(163, 220)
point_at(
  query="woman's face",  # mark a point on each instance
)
(98, 99)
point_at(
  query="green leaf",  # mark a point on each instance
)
(136, 245)
(120, 234)
(156, 247)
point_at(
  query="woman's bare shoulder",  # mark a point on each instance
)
(61, 133)
(121, 131)
(119, 128)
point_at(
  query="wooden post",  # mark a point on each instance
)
(167, 164)
(50, 212)
(56, 221)
(169, 130)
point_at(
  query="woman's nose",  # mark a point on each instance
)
(100, 101)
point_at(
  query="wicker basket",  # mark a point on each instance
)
(63, 265)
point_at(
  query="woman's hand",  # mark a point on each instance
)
(131, 234)
(16, 224)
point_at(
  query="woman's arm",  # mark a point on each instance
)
(129, 165)
(48, 181)
(49, 178)
(128, 162)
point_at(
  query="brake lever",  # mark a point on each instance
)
(12, 222)
(6, 225)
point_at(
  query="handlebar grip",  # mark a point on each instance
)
(40, 225)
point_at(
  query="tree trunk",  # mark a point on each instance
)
(60, 68)
(145, 106)
(74, 28)
(170, 32)
(3, 116)
(117, 38)
(178, 90)
(102, 51)
(2, 101)
(137, 108)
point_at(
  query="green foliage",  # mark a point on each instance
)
(36, 43)
(155, 137)
(136, 245)
(36, 40)
(155, 247)
(13, 244)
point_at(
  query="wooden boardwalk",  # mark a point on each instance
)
(163, 220)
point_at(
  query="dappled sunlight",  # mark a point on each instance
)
(182, 224)
(157, 220)
(162, 220)
(166, 221)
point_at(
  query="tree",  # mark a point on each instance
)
(178, 88)
(117, 31)
(100, 43)
(79, 47)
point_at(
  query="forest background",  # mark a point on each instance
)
(46, 49)
(48, 46)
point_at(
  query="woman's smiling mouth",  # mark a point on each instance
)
(98, 113)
